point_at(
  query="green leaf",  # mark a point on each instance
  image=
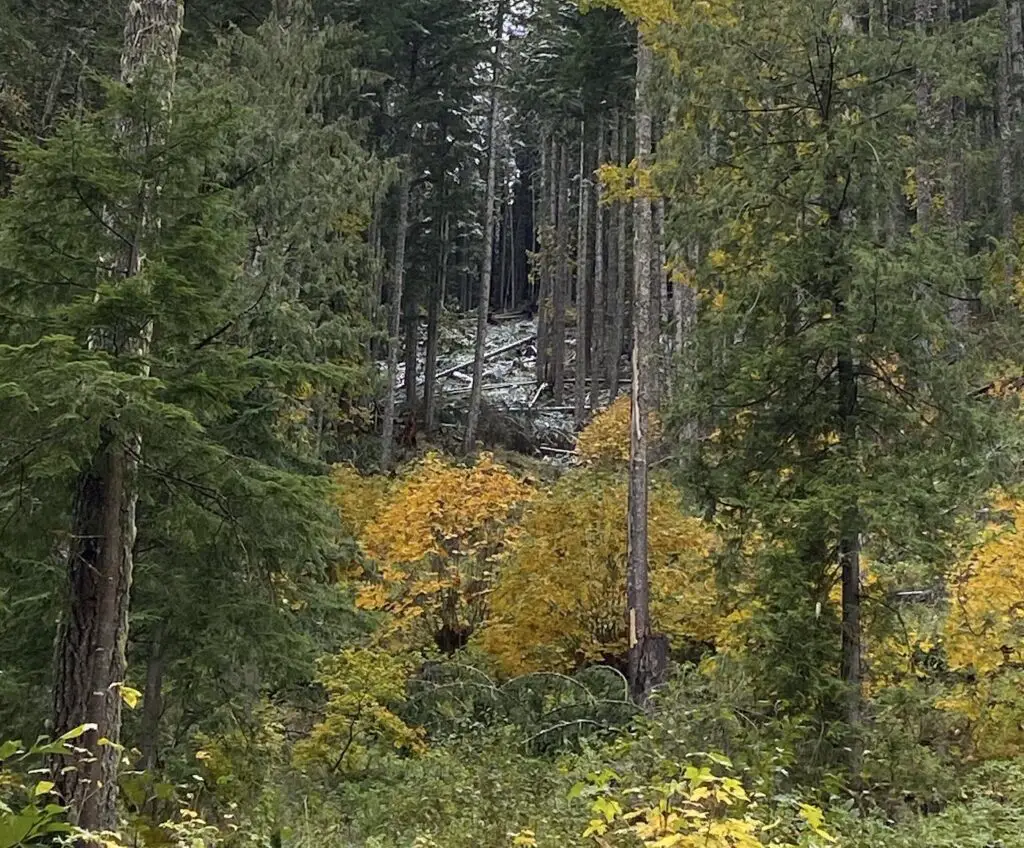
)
(15, 828)
(77, 732)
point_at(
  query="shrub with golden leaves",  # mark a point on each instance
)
(561, 599)
(605, 441)
(357, 497)
(984, 635)
(436, 540)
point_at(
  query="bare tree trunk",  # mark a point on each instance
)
(433, 326)
(91, 642)
(684, 305)
(617, 308)
(387, 449)
(597, 359)
(377, 292)
(152, 699)
(545, 228)
(411, 308)
(562, 275)
(583, 292)
(647, 653)
(659, 306)
(476, 396)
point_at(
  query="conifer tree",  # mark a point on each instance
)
(825, 373)
(91, 661)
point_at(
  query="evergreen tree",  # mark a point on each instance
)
(835, 383)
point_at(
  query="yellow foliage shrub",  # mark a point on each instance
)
(605, 441)
(436, 540)
(357, 497)
(984, 635)
(561, 599)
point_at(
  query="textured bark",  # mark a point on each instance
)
(484, 302)
(387, 450)
(645, 651)
(584, 294)
(90, 661)
(598, 319)
(561, 292)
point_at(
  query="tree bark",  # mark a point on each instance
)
(561, 292)
(597, 358)
(411, 321)
(617, 308)
(152, 700)
(659, 305)
(476, 395)
(684, 306)
(387, 449)
(583, 288)
(645, 651)
(91, 642)
(545, 228)
(433, 325)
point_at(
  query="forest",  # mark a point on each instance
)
(485, 423)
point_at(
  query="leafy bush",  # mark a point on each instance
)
(560, 601)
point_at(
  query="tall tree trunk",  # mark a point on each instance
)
(583, 289)
(376, 248)
(647, 653)
(91, 641)
(152, 699)
(684, 306)
(411, 321)
(434, 308)
(617, 307)
(545, 229)
(597, 359)
(387, 448)
(659, 305)
(561, 292)
(476, 395)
